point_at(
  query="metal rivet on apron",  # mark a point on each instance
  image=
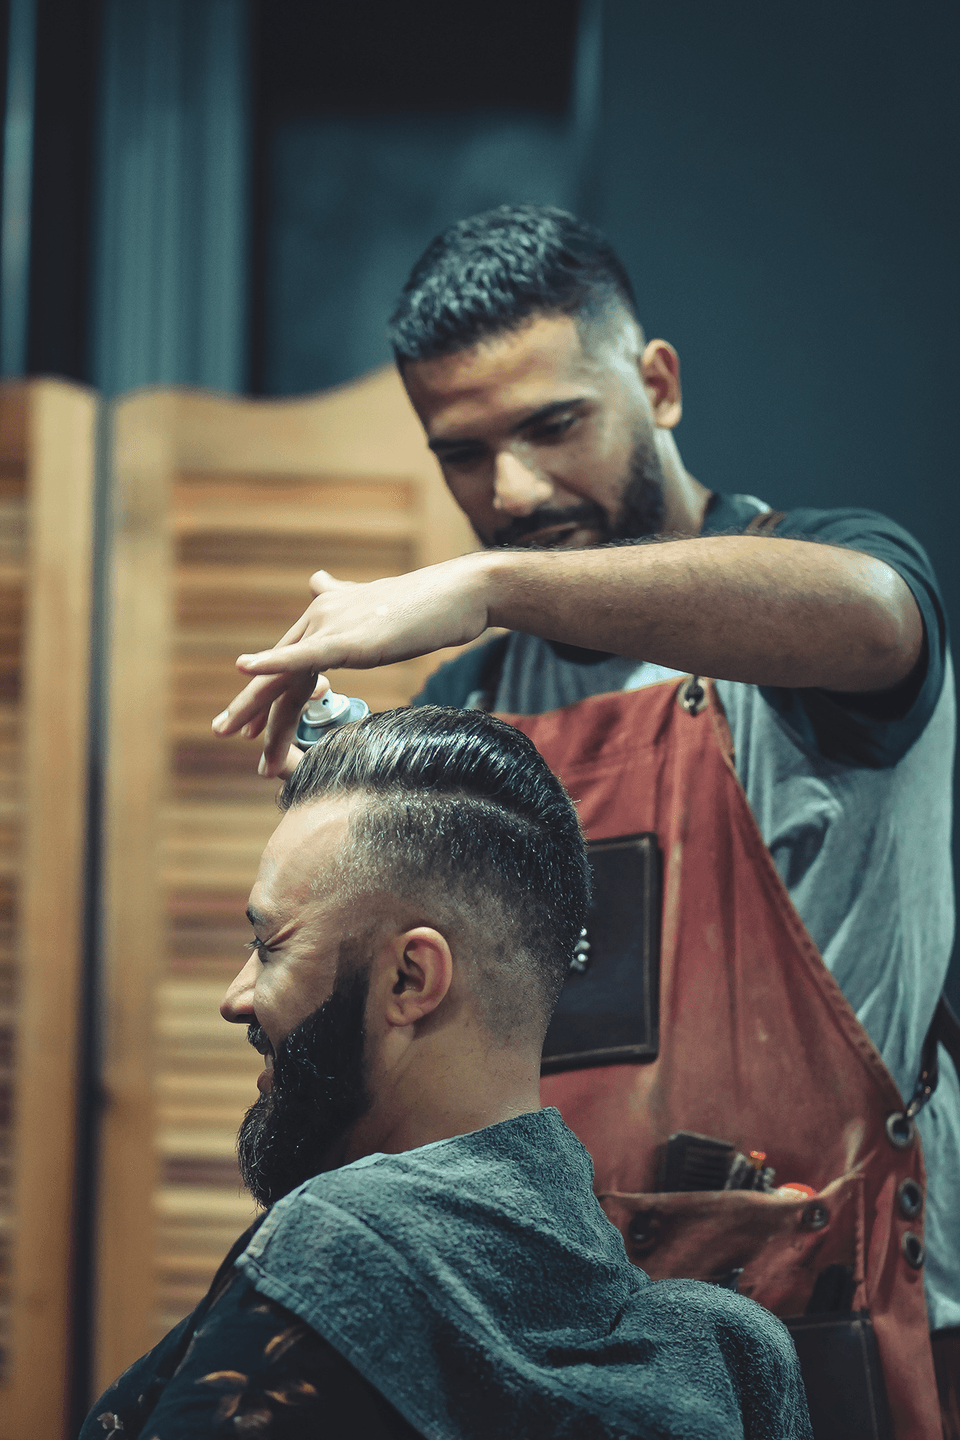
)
(691, 696)
(910, 1199)
(900, 1130)
(913, 1251)
(815, 1216)
(643, 1232)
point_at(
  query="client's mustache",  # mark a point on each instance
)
(258, 1039)
(587, 513)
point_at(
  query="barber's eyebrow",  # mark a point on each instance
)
(546, 412)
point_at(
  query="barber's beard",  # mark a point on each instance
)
(641, 513)
(319, 1091)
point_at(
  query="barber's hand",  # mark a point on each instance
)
(356, 627)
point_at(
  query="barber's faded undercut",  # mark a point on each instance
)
(495, 271)
(461, 806)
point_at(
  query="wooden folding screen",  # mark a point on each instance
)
(47, 449)
(223, 509)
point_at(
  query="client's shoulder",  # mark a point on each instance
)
(734, 1317)
(530, 1156)
(755, 1348)
(528, 1173)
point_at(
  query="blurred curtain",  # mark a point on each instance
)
(17, 180)
(171, 220)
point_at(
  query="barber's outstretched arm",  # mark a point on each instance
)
(758, 609)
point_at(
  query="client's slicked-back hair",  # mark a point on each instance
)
(494, 271)
(460, 809)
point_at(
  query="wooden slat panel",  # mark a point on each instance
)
(47, 469)
(226, 507)
(133, 926)
(364, 430)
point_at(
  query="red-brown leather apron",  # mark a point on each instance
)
(758, 1046)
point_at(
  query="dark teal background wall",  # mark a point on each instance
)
(352, 202)
(378, 125)
(781, 181)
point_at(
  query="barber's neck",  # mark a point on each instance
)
(684, 498)
(444, 1079)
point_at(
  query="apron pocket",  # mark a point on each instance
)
(781, 1246)
(608, 1011)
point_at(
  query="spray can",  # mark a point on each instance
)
(319, 717)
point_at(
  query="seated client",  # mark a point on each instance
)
(433, 1261)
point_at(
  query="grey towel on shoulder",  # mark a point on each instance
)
(478, 1285)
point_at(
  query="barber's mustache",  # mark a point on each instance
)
(588, 512)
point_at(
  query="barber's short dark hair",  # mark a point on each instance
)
(462, 806)
(492, 272)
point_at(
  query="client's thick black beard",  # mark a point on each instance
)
(319, 1090)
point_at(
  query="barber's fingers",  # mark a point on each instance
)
(248, 711)
(294, 756)
(255, 727)
(306, 656)
(321, 581)
(281, 727)
(251, 706)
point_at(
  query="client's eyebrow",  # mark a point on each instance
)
(546, 412)
(257, 920)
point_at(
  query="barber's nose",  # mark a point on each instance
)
(237, 1004)
(518, 490)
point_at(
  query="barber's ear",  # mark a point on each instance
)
(660, 372)
(421, 967)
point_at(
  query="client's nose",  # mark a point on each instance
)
(237, 1004)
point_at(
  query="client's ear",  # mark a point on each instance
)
(421, 970)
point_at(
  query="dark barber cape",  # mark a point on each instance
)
(466, 1290)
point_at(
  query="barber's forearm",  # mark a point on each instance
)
(756, 609)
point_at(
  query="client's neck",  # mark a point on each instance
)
(441, 1090)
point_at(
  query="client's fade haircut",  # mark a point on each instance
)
(494, 271)
(462, 807)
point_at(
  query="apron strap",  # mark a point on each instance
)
(944, 1030)
(948, 1029)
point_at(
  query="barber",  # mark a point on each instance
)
(800, 795)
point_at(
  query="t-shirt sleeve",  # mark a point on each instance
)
(874, 730)
(256, 1368)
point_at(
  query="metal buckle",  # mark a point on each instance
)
(692, 696)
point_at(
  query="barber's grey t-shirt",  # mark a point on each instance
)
(852, 795)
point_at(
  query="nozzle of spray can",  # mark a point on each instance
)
(319, 717)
